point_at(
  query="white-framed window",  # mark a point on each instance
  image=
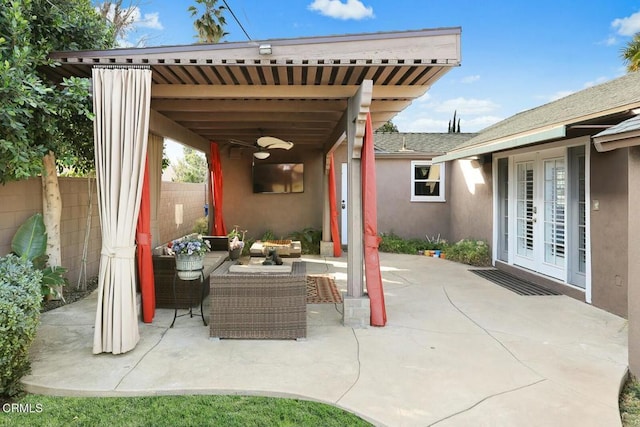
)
(427, 181)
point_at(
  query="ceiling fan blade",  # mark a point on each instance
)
(242, 143)
(273, 142)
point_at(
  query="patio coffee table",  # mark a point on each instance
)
(258, 305)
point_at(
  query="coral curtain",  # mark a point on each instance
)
(145, 262)
(333, 209)
(121, 103)
(370, 223)
(215, 173)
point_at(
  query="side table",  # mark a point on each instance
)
(202, 295)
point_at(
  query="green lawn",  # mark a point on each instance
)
(173, 411)
(630, 403)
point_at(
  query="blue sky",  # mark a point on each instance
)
(516, 54)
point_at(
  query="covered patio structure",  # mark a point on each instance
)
(316, 92)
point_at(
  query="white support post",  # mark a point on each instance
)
(358, 107)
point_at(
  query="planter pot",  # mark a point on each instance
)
(189, 267)
(234, 254)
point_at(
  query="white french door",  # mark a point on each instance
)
(539, 220)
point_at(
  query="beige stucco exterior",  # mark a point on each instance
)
(609, 230)
(470, 199)
(280, 213)
(633, 287)
(397, 214)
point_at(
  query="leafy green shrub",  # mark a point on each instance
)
(397, 245)
(20, 300)
(30, 243)
(201, 226)
(309, 240)
(472, 252)
(268, 235)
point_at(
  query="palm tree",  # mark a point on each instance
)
(210, 25)
(631, 54)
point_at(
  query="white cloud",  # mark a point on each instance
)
(352, 9)
(478, 123)
(470, 79)
(627, 26)
(424, 98)
(425, 124)
(597, 81)
(558, 95)
(150, 20)
(562, 93)
(135, 21)
(609, 41)
(466, 106)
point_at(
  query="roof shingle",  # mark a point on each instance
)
(420, 142)
(614, 94)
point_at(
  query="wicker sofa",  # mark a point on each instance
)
(186, 290)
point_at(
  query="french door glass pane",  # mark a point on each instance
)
(554, 211)
(524, 209)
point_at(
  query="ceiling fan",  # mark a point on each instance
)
(263, 144)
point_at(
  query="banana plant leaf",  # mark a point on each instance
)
(54, 276)
(30, 241)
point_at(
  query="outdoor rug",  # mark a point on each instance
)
(513, 283)
(322, 290)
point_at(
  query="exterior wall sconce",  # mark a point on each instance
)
(265, 49)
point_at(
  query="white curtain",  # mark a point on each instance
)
(121, 102)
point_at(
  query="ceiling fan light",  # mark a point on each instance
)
(261, 155)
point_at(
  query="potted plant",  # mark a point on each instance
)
(189, 252)
(236, 243)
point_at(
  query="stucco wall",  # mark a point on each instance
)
(280, 213)
(634, 265)
(470, 200)
(19, 200)
(192, 197)
(398, 214)
(609, 230)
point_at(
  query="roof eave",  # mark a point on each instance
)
(408, 155)
(249, 50)
(505, 144)
(616, 141)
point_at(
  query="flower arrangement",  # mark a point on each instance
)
(190, 245)
(236, 238)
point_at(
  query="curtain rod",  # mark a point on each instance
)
(124, 67)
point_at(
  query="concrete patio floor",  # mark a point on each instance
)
(457, 351)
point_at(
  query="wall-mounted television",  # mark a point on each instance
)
(278, 178)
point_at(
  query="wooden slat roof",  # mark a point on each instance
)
(299, 92)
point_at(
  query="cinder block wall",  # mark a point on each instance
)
(19, 200)
(192, 197)
(75, 210)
